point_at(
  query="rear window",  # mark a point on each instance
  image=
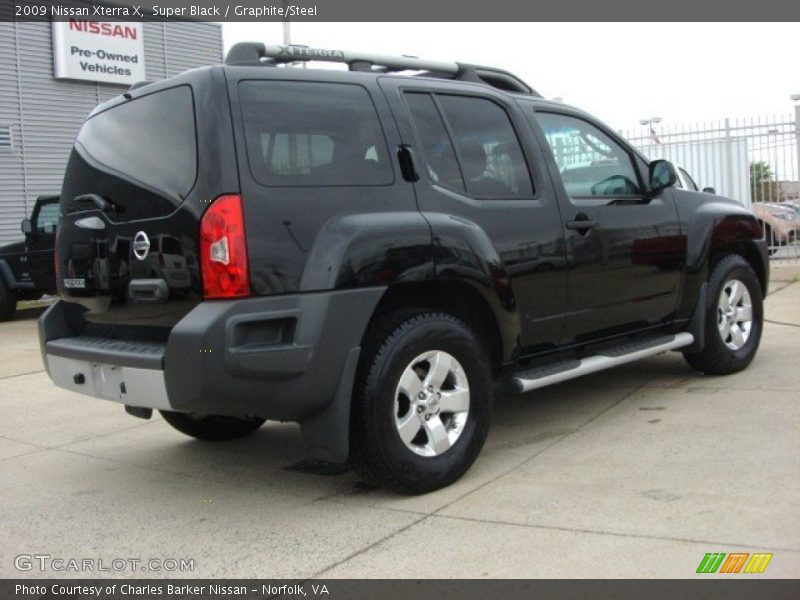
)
(150, 140)
(313, 134)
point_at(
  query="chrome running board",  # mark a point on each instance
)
(539, 377)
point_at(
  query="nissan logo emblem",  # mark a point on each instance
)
(141, 245)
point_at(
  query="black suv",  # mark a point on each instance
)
(367, 253)
(27, 269)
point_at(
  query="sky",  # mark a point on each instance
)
(620, 72)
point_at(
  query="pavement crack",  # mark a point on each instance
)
(21, 374)
(370, 546)
(781, 323)
(709, 543)
(98, 436)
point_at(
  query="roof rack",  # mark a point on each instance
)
(255, 53)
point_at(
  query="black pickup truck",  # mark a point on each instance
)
(27, 268)
(368, 253)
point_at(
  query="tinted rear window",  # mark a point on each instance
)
(150, 141)
(442, 165)
(313, 134)
(488, 149)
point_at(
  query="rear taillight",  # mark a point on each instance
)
(223, 250)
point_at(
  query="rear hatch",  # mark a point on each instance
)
(134, 191)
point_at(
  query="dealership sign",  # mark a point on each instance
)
(98, 51)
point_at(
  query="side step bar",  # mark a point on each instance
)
(539, 377)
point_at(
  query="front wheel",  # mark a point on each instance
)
(734, 319)
(212, 428)
(421, 406)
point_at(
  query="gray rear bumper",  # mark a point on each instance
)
(286, 358)
(127, 385)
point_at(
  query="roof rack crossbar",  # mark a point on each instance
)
(255, 53)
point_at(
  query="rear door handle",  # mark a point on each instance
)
(581, 224)
(408, 163)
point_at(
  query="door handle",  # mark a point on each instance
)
(408, 163)
(581, 225)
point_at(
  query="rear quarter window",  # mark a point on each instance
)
(150, 141)
(313, 134)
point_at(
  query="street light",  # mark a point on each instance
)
(795, 97)
(650, 121)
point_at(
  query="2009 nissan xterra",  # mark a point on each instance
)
(367, 252)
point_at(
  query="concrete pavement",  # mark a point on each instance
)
(635, 472)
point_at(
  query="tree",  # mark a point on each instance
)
(763, 186)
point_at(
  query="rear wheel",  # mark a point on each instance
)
(422, 402)
(213, 428)
(734, 319)
(8, 301)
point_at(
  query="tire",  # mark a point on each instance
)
(212, 428)
(8, 302)
(438, 445)
(723, 353)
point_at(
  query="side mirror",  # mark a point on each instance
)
(26, 226)
(662, 175)
(709, 190)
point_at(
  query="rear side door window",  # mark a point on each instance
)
(440, 157)
(491, 158)
(313, 134)
(591, 163)
(470, 145)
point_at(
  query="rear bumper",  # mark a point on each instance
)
(129, 385)
(283, 358)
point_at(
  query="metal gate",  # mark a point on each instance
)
(755, 161)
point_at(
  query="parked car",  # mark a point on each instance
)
(27, 268)
(687, 182)
(780, 224)
(375, 251)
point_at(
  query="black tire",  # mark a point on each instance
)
(212, 428)
(377, 452)
(8, 302)
(717, 358)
